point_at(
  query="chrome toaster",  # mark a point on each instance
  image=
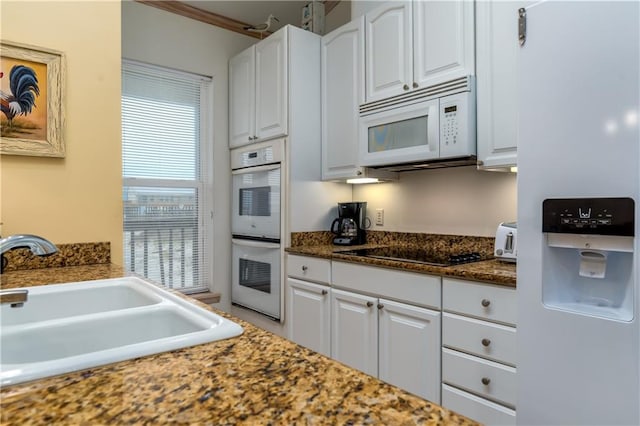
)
(506, 245)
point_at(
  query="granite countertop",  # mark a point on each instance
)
(491, 271)
(256, 378)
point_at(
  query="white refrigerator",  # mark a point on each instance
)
(578, 193)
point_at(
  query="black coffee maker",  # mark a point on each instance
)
(349, 227)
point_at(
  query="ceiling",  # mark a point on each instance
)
(255, 11)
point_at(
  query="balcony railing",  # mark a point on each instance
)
(164, 246)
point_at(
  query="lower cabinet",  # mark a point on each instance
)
(479, 351)
(450, 341)
(309, 315)
(396, 342)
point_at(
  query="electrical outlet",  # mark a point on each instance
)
(379, 217)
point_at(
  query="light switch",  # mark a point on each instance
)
(379, 217)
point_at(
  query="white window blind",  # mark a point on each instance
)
(165, 141)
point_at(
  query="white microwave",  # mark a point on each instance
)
(435, 129)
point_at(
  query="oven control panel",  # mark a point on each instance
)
(594, 216)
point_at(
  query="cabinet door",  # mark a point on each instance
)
(309, 315)
(410, 348)
(388, 51)
(354, 330)
(443, 46)
(496, 54)
(271, 86)
(342, 93)
(242, 98)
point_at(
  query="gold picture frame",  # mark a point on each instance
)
(33, 119)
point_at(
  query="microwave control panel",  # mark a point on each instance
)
(457, 125)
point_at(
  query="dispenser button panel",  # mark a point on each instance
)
(594, 216)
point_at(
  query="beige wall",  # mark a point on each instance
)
(157, 37)
(78, 198)
(459, 201)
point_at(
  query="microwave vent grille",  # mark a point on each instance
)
(470, 160)
(459, 85)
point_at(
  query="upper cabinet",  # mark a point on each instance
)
(496, 53)
(413, 45)
(258, 108)
(389, 53)
(342, 58)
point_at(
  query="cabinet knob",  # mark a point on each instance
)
(415, 85)
(405, 87)
(250, 138)
(369, 304)
(486, 342)
(485, 302)
(359, 172)
(380, 306)
(485, 381)
(324, 292)
(304, 268)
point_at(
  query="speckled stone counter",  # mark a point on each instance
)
(256, 378)
(491, 270)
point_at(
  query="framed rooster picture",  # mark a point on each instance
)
(31, 99)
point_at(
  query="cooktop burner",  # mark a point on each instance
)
(411, 254)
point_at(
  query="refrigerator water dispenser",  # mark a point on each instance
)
(588, 256)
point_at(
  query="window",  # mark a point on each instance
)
(166, 146)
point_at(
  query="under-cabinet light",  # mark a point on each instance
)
(363, 180)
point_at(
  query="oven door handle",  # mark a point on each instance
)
(258, 244)
(256, 169)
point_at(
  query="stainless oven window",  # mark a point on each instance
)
(255, 201)
(255, 275)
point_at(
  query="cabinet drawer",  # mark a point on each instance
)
(413, 288)
(494, 341)
(471, 373)
(476, 408)
(485, 301)
(309, 268)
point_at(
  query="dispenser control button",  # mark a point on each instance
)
(565, 221)
(604, 221)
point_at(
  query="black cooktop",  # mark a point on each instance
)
(416, 255)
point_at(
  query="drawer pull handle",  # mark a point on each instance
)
(304, 268)
(324, 292)
(486, 342)
(485, 302)
(415, 85)
(405, 87)
(486, 381)
(380, 306)
(369, 304)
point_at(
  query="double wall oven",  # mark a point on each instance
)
(256, 226)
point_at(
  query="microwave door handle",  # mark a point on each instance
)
(256, 169)
(258, 244)
(433, 127)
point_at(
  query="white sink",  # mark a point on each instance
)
(69, 327)
(64, 300)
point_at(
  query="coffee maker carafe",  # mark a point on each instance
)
(349, 227)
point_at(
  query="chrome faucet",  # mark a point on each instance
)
(38, 245)
(16, 298)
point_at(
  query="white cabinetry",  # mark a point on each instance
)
(413, 45)
(308, 308)
(396, 341)
(496, 53)
(354, 330)
(342, 59)
(258, 91)
(479, 350)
